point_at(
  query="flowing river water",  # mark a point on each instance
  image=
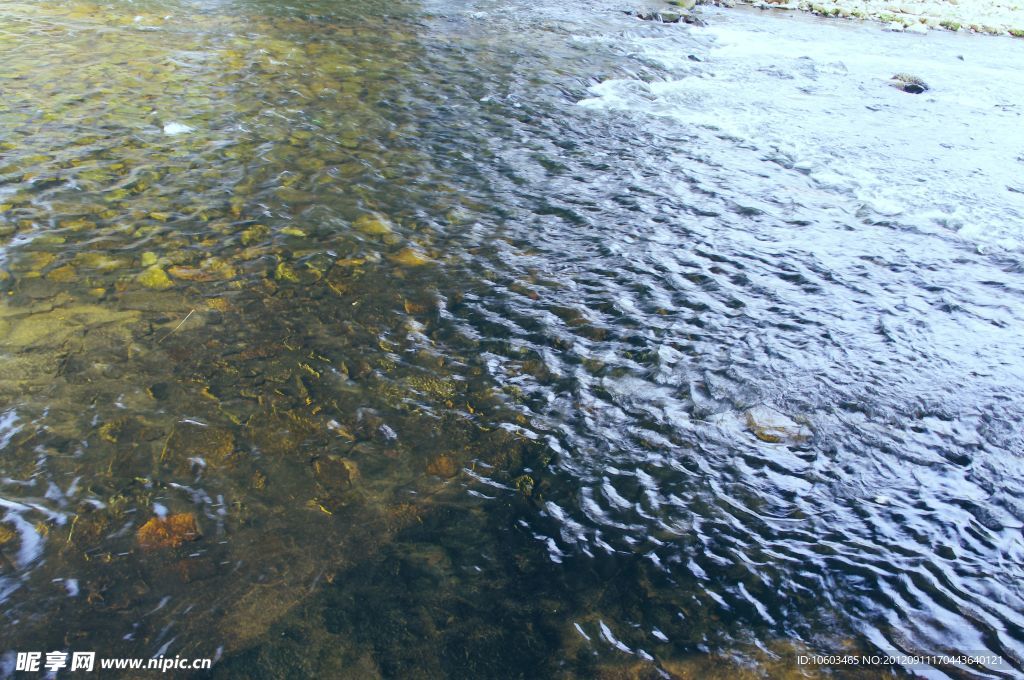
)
(518, 339)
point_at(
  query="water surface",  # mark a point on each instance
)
(441, 332)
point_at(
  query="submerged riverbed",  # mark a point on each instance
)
(432, 339)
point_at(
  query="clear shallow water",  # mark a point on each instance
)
(459, 314)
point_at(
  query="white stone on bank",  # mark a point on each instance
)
(915, 16)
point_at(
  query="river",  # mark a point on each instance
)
(509, 340)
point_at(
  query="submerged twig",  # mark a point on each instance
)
(176, 327)
(163, 451)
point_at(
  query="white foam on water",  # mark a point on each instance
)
(8, 427)
(177, 129)
(607, 634)
(805, 110)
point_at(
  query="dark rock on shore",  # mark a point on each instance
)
(661, 17)
(667, 17)
(908, 83)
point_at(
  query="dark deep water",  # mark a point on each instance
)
(419, 340)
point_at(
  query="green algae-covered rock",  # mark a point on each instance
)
(372, 224)
(156, 278)
(52, 328)
(409, 257)
(284, 272)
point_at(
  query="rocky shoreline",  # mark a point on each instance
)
(992, 17)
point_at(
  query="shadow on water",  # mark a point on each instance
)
(340, 340)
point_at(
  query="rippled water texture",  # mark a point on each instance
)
(479, 340)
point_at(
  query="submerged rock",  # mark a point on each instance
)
(65, 274)
(190, 443)
(7, 534)
(775, 427)
(371, 224)
(443, 466)
(190, 274)
(280, 433)
(210, 269)
(410, 257)
(33, 263)
(27, 328)
(100, 261)
(168, 532)
(284, 272)
(255, 234)
(335, 475)
(156, 278)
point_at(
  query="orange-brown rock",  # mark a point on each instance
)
(443, 466)
(168, 532)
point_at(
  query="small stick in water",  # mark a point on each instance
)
(176, 327)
